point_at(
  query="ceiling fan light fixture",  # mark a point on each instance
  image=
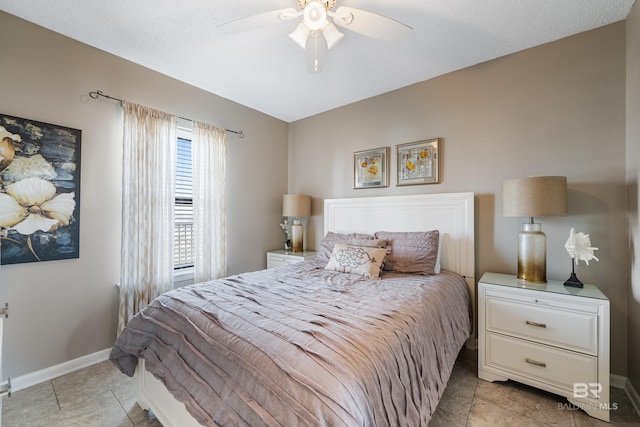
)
(318, 32)
(315, 15)
(300, 35)
(332, 35)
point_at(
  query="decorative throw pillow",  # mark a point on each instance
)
(362, 260)
(325, 248)
(372, 243)
(411, 252)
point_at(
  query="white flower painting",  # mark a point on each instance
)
(39, 190)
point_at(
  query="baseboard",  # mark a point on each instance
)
(634, 397)
(619, 381)
(47, 374)
(472, 343)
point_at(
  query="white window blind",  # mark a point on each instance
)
(183, 230)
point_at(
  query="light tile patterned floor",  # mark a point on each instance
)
(471, 402)
(100, 396)
(97, 396)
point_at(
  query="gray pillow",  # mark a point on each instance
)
(325, 248)
(411, 252)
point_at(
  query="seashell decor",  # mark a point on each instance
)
(579, 247)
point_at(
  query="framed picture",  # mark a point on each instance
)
(371, 168)
(418, 162)
(39, 190)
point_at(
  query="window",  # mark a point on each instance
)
(183, 250)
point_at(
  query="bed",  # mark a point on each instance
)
(307, 345)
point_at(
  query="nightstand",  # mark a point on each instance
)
(281, 257)
(548, 336)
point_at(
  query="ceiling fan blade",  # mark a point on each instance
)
(315, 50)
(370, 24)
(259, 20)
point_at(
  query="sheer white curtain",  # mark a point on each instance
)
(209, 152)
(147, 208)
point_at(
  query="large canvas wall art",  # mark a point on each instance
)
(39, 191)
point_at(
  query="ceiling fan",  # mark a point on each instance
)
(317, 32)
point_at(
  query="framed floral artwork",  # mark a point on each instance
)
(371, 168)
(418, 162)
(39, 191)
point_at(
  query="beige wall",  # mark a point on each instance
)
(556, 109)
(633, 176)
(553, 109)
(61, 310)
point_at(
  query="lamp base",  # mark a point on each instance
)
(573, 281)
(532, 254)
(296, 236)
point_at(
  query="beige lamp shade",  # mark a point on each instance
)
(531, 197)
(296, 205)
(535, 196)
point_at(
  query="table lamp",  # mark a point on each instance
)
(296, 206)
(532, 197)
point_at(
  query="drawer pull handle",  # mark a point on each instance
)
(535, 362)
(539, 325)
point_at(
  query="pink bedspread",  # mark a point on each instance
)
(300, 345)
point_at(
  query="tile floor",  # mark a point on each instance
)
(100, 396)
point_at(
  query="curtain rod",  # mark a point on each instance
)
(98, 93)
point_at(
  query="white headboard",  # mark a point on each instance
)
(450, 213)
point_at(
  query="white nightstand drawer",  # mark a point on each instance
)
(573, 330)
(279, 261)
(541, 363)
(281, 258)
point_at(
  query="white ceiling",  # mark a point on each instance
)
(265, 70)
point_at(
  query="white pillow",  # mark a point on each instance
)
(365, 261)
